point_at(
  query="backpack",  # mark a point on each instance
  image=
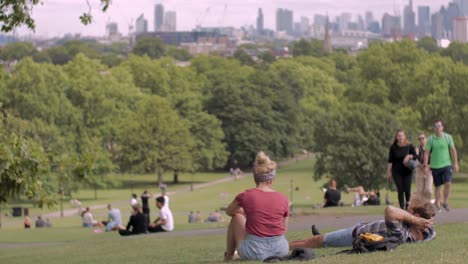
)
(361, 245)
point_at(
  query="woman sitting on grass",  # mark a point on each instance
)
(259, 217)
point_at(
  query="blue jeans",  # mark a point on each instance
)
(340, 238)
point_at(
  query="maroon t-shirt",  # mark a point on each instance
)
(265, 212)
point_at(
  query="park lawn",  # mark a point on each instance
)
(86, 247)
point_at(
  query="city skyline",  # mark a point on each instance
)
(207, 13)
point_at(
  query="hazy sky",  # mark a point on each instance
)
(56, 17)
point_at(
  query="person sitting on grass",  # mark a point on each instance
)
(413, 225)
(114, 219)
(332, 196)
(137, 223)
(259, 217)
(165, 221)
(40, 223)
(88, 220)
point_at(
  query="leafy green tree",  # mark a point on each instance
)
(354, 142)
(429, 44)
(155, 139)
(457, 51)
(243, 57)
(18, 50)
(24, 170)
(149, 46)
(307, 48)
(179, 54)
(58, 55)
(267, 57)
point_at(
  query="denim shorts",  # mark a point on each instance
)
(340, 238)
(260, 248)
(442, 175)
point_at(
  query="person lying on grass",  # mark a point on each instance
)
(413, 225)
(259, 217)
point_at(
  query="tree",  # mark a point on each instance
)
(155, 139)
(307, 48)
(179, 54)
(18, 50)
(429, 44)
(149, 46)
(354, 142)
(243, 57)
(14, 14)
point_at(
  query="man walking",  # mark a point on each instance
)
(439, 155)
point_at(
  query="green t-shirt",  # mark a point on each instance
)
(440, 154)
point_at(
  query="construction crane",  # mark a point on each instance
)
(200, 19)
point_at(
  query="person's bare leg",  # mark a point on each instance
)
(437, 196)
(428, 186)
(447, 187)
(235, 233)
(312, 242)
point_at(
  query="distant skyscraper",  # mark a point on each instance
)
(320, 21)
(158, 17)
(437, 28)
(463, 5)
(409, 20)
(141, 24)
(460, 29)
(284, 20)
(391, 26)
(170, 21)
(369, 18)
(260, 21)
(345, 19)
(112, 29)
(304, 26)
(424, 24)
(452, 12)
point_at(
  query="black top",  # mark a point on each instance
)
(137, 224)
(396, 156)
(333, 197)
(144, 201)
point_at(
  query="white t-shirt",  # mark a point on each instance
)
(166, 214)
(166, 201)
(133, 201)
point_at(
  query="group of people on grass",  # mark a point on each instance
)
(139, 221)
(259, 219)
(39, 223)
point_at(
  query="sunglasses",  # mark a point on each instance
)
(437, 126)
(421, 138)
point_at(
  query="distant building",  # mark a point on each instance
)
(158, 17)
(437, 27)
(369, 19)
(141, 24)
(176, 38)
(284, 20)
(304, 26)
(112, 29)
(409, 20)
(391, 26)
(460, 29)
(463, 6)
(260, 22)
(424, 23)
(170, 21)
(452, 12)
(344, 20)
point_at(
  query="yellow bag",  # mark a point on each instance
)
(371, 237)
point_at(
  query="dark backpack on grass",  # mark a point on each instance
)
(361, 245)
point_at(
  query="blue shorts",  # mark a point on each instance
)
(340, 238)
(111, 225)
(260, 248)
(442, 175)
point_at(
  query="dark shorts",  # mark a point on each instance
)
(442, 175)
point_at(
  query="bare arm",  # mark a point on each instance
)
(455, 158)
(396, 214)
(389, 170)
(234, 208)
(426, 161)
(286, 223)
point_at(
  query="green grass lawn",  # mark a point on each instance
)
(68, 242)
(83, 246)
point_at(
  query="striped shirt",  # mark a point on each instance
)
(395, 229)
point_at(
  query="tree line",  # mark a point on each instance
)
(65, 125)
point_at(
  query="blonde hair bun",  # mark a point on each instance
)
(263, 164)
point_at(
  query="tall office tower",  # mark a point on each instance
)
(170, 21)
(424, 23)
(391, 26)
(112, 29)
(141, 24)
(284, 20)
(463, 6)
(409, 20)
(158, 17)
(345, 19)
(361, 25)
(369, 18)
(304, 25)
(460, 29)
(437, 27)
(320, 21)
(451, 13)
(260, 22)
